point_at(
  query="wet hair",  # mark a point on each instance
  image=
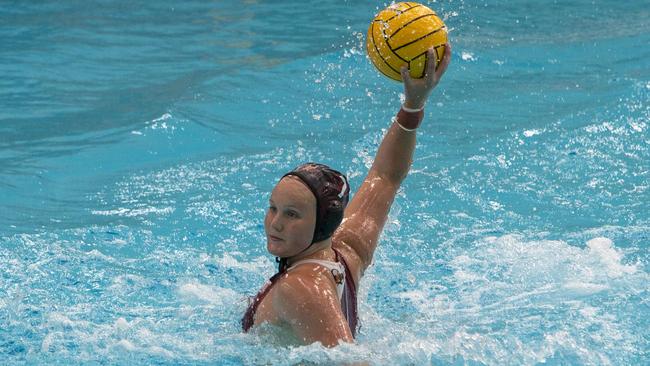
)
(332, 193)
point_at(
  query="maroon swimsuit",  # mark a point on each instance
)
(348, 299)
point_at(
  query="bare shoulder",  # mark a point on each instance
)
(310, 305)
(303, 284)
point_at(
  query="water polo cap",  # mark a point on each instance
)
(332, 192)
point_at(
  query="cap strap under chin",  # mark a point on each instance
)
(282, 264)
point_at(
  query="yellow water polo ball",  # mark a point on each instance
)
(401, 34)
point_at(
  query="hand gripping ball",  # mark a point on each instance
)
(401, 34)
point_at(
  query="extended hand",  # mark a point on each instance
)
(417, 90)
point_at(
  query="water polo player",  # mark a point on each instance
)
(324, 245)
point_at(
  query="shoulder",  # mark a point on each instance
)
(306, 299)
(308, 288)
(304, 282)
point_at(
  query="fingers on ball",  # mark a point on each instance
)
(432, 58)
(446, 58)
(404, 70)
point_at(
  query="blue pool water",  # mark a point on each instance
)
(139, 144)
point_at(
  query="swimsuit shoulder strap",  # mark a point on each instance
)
(349, 298)
(248, 319)
(327, 264)
(337, 269)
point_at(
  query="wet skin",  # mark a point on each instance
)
(290, 218)
(305, 297)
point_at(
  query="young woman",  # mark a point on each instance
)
(324, 247)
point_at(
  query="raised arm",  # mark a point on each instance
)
(366, 214)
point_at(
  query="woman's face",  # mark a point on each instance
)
(290, 219)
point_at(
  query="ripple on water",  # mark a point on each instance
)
(474, 295)
(516, 301)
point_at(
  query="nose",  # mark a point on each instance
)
(276, 223)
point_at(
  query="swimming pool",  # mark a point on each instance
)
(140, 143)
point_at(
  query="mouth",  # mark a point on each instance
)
(275, 238)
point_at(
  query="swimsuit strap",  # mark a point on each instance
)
(332, 266)
(249, 316)
(349, 299)
(336, 269)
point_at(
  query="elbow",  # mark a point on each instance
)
(394, 176)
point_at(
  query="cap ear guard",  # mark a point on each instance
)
(337, 199)
(330, 221)
(345, 190)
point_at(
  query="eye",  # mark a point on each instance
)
(272, 208)
(292, 214)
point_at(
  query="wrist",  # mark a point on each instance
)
(409, 119)
(410, 105)
(409, 109)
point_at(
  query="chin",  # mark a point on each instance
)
(274, 249)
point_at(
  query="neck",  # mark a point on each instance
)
(320, 250)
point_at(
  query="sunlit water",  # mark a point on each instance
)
(139, 144)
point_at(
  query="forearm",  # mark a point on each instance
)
(395, 154)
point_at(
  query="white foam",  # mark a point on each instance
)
(602, 249)
(128, 282)
(132, 212)
(465, 276)
(637, 126)
(121, 324)
(126, 345)
(59, 319)
(36, 266)
(145, 334)
(584, 288)
(96, 254)
(48, 340)
(164, 117)
(531, 133)
(159, 351)
(256, 265)
(416, 296)
(588, 311)
(467, 56)
(194, 291)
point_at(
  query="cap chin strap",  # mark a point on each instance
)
(282, 264)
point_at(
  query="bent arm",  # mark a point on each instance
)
(367, 213)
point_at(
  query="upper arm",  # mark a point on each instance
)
(312, 312)
(366, 215)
